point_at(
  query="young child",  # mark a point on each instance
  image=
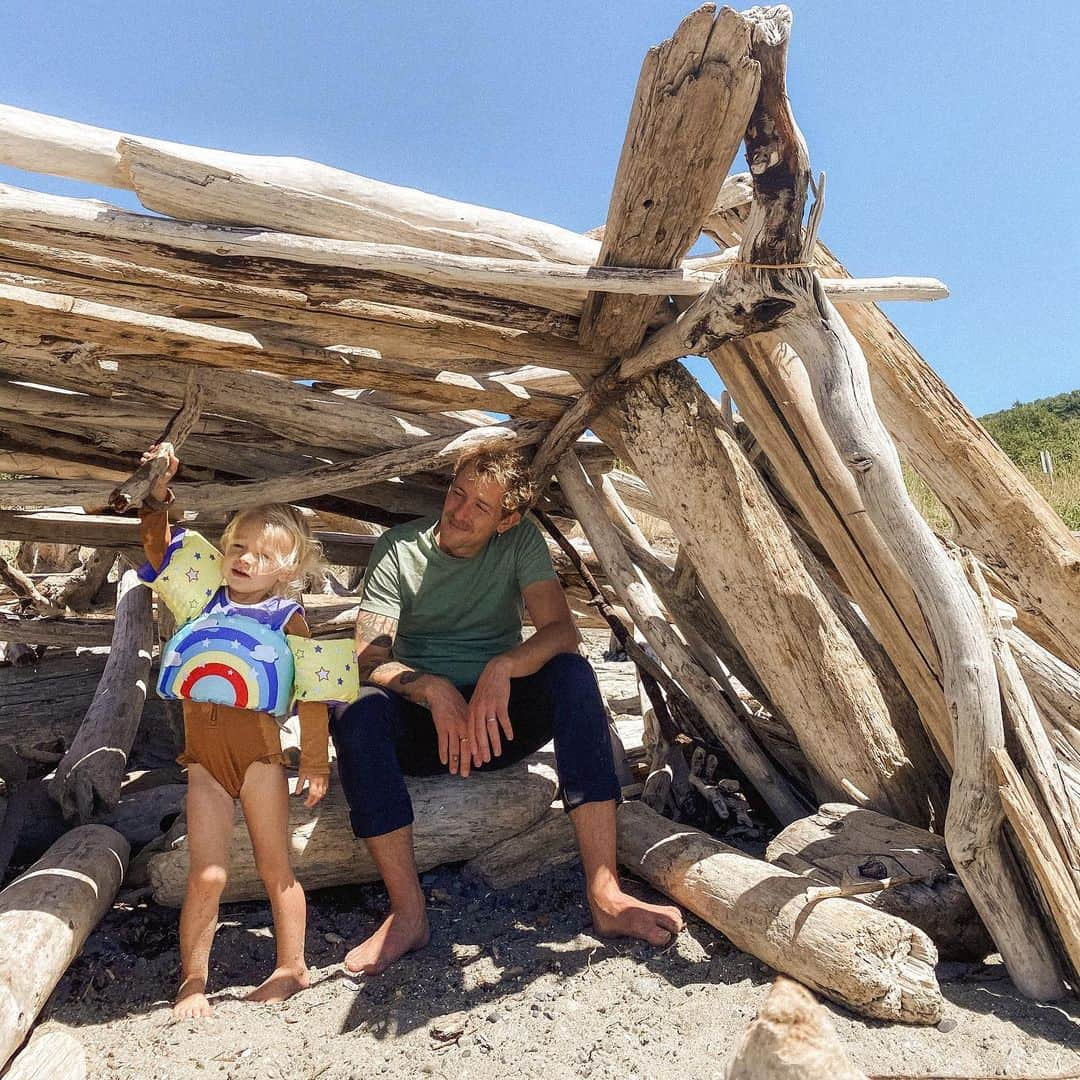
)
(235, 752)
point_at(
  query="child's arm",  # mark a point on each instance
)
(314, 733)
(154, 515)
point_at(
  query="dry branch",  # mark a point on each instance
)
(89, 776)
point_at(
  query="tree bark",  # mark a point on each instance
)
(875, 964)
(46, 915)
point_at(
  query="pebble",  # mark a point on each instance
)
(333, 939)
(645, 987)
(947, 1025)
(466, 954)
(513, 972)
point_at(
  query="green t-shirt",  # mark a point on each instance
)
(453, 614)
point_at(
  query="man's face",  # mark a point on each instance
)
(472, 514)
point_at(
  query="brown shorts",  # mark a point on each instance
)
(225, 741)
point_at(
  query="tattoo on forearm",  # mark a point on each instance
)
(376, 630)
(407, 677)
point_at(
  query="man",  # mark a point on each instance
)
(452, 685)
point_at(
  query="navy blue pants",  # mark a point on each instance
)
(382, 737)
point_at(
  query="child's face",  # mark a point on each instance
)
(250, 564)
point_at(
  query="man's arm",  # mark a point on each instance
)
(555, 633)
(374, 657)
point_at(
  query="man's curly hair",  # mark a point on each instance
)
(507, 468)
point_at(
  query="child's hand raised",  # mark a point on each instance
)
(166, 453)
(317, 787)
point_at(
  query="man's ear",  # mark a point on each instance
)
(508, 521)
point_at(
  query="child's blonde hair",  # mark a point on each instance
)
(297, 551)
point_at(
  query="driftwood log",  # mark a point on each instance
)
(46, 915)
(848, 848)
(542, 846)
(791, 1038)
(455, 820)
(875, 964)
(53, 1053)
(89, 776)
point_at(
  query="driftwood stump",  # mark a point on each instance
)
(46, 915)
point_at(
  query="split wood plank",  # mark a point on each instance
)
(693, 99)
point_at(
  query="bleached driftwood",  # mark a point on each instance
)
(791, 1038)
(693, 98)
(646, 612)
(846, 846)
(745, 560)
(871, 962)
(374, 210)
(544, 845)
(53, 1053)
(46, 915)
(456, 820)
(839, 379)
(774, 395)
(1044, 862)
(88, 777)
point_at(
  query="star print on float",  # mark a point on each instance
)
(232, 660)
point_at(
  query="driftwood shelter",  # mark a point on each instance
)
(314, 336)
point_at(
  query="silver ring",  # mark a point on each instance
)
(492, 719)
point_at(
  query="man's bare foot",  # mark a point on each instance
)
(617, 914)
(398, 935)
(282, 983)
(191, 1000)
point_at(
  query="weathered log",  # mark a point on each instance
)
(644, 608)
(75, 591)
(1044, 861)
(844, 845)
(456, 820)
(373, 210)
(840, 383)
(791, 1038)
(1054, 685)
(89, 776)
(53, 1053)
(747, 563)
(46, 915)
(873, 963)
(544, 845)
(774, 395)
(98, 530)
(273, 404)
(691, 105)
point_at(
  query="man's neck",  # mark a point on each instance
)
(456, 553)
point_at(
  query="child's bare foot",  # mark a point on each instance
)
(399, 934)
(191, 1000)
(617, 914)
(282, 983)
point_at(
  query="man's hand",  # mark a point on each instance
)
(451, 715)
(317, 787)
(489, 710)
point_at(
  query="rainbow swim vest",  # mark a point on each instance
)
(239, 655)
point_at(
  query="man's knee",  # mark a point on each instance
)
(570, 667)
(366, 718)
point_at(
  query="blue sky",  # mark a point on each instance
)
(947, 130)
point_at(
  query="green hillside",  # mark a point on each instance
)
(1051, 423)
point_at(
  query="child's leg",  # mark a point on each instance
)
(210, 823)
(265, 799)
